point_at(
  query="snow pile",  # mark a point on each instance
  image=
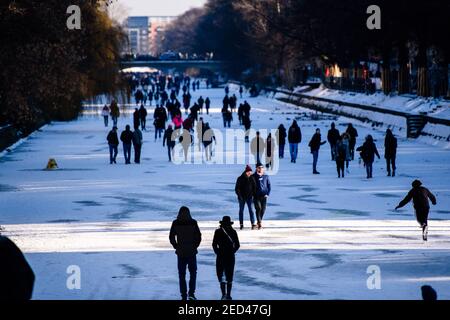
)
(438, 108)
(436, 134)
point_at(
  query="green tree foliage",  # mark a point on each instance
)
(46, 70)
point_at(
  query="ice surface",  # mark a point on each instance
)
(321, 233)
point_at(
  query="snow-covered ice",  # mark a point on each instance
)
(321, 233)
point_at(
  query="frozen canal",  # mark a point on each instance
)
(321, 233)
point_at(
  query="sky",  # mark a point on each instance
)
(158, 7)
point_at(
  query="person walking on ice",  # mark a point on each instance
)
(225, 245)
(185, 237)
(368, 152)
(262, 192)
(245, 188)
(170, 143)
(105, 114)
(113, 143)
(390, 152)
(126, 137)
(419, 196)
(314, 144)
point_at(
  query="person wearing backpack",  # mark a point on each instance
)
(340, 156)
(225, 245)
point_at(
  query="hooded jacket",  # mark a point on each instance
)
(294, 133)
(185, 235)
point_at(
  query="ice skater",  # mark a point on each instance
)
(419, 196)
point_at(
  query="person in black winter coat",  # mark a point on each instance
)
(127, 137)
(333, 137)
(353, 134)
(137, 144)
(207, 104)
(159, 120)
(340, 156)
(16, 276)
(185, 237)
(245, 188)
(170, 143)
(136, 118)
(281, 140)
(390, 152)
(368, 151)
(113, 142)
(225, 245)
(314, 144)
(200, 102)
(419, 195)
(294, 138)
(143, 116)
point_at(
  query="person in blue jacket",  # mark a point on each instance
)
(262, 192)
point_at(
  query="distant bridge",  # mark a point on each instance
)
(203, 66)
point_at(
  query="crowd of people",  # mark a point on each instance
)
(252, 189)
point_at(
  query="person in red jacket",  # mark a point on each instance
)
(419, 196)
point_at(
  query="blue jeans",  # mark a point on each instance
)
(158, 132)
(191, 264)
(127, 152)
(112, 153)
(315, 158)
(281, 150)
(293, 149)
(369, 169)
(249, 203)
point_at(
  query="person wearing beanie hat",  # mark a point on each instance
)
(420, 196)
(245, 189)
(225, 245)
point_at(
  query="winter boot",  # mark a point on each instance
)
(259, 225)
(242, 226)
(253, 226)
(223, 289)
(229, 286)
(192, 296)
(389, 174)
(425, 232)
(393, 173)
